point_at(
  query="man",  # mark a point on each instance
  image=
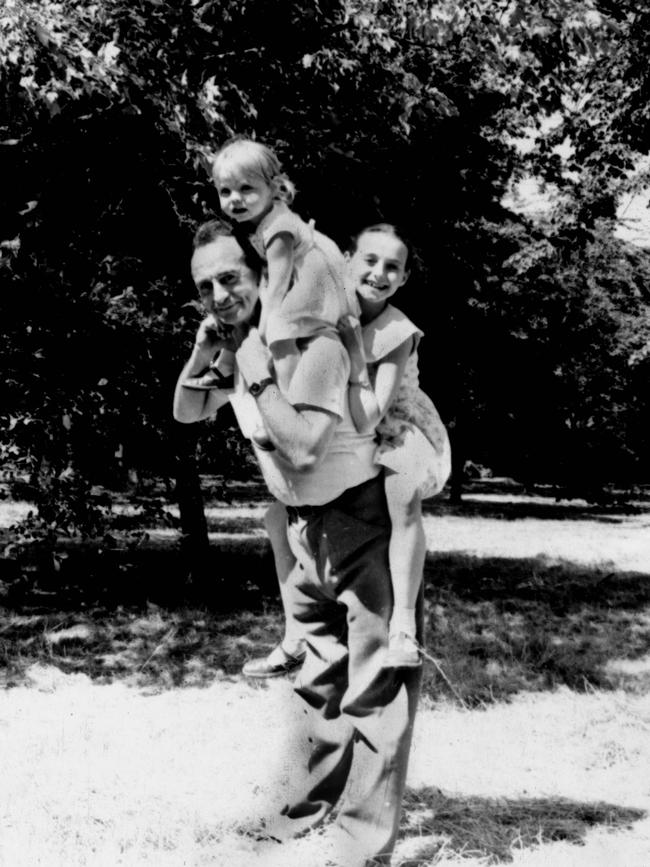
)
(360, 716)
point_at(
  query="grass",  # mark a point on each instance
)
(495, 626)
(490, 828)
(129, 736)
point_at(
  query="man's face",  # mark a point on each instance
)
(227, 286)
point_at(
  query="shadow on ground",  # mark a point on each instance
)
(500, 625)
(492, 829)
(495, 626)
(146, 647)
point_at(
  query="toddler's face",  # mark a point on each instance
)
(377, 268)
(244, 198)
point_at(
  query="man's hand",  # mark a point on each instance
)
(213, 335)
(192, 400)
(253, 358)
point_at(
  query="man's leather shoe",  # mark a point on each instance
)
(276, 663)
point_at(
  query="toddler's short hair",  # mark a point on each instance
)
(254, 158)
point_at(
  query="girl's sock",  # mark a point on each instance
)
(403, 620)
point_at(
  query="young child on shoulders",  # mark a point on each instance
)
(384, 393)
(304, 293)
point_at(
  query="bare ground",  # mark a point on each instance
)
(129, 737)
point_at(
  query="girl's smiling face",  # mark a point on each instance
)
(377, 268)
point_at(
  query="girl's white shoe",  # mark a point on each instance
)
(403, 651)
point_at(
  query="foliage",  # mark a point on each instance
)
(409, 110)
(564, 397)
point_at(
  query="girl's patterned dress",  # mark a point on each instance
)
(412, 439)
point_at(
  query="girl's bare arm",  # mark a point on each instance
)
(368, 404)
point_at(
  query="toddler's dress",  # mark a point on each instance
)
(316, 298)
(412, 439)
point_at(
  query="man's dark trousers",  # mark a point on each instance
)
(359, 717)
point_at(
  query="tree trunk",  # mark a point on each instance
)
(458, 458)
(194, 527)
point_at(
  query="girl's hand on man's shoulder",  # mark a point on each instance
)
(349, 328)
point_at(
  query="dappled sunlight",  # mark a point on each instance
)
(619, 545)
(514, 505)
(495, 625)
(184, 777)
(556, 766)
(501, 625)
(557, 744)
(130, 733)
(126, 773)
(153, 647)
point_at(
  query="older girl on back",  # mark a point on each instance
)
(384, 392)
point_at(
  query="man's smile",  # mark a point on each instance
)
(225, 308)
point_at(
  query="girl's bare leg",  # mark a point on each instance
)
(406, 553)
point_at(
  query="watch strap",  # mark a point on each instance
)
(256, 388)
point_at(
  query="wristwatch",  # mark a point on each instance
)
(256, 388)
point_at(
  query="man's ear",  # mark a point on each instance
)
(407, 274)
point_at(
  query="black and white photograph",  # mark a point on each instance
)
(324, 433)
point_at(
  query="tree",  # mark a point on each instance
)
(409, 109)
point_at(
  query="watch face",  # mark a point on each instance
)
(256, 388)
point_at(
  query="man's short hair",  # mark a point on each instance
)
(212, 229)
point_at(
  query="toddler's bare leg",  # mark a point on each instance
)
(406, 553)
(275, 522)
(286, 358)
